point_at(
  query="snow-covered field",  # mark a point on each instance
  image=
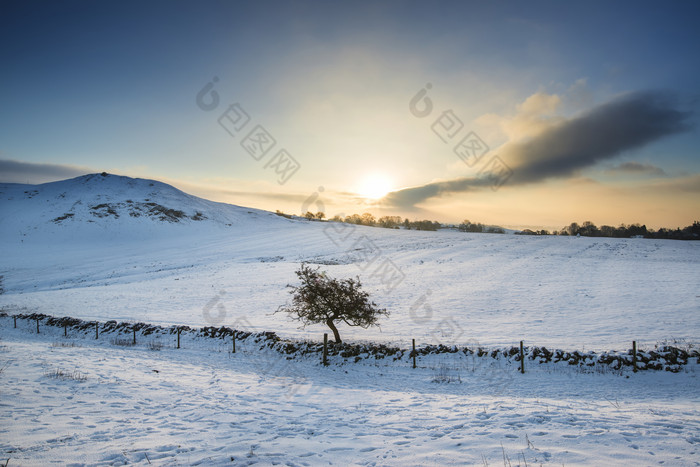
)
(575, 293)
(202, 405)
(136, 250)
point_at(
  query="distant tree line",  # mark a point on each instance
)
(467, 226)
(396, 222)
(388, 222)
(586, 229)
(319, 216)
(589, 229)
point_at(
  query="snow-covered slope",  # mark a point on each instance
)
(108, 207)
(119, 257)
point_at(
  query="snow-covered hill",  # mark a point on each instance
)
(110, 207)
(107, 247)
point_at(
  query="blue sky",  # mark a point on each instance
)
(93, 86)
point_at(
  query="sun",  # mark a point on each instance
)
(374, 186)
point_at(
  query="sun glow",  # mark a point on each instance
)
(374, 186)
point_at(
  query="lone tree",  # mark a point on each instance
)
(323, 299)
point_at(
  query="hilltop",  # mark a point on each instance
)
(110, 206)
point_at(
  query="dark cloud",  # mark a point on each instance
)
(409, 197)
(636, 168)
(628, 122)
(28, 172)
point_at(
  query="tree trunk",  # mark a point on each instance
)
(336, 334)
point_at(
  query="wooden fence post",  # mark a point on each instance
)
(134, 331)
(233, 339)
(634, 356)
(15, 322)
(97, 331)
(414, 353)
(522, 358)
(65, 330)
(178, 338)
(325, 349)
(37, 325)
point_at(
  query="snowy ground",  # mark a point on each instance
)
(202, 405)
(232, 268)
(91, 248)
(572, 293)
